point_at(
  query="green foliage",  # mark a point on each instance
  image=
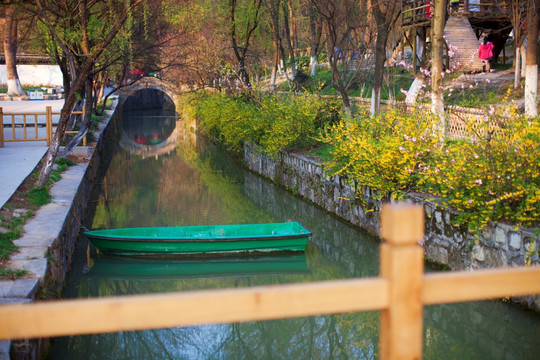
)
(274, 122)
(395, 79)
(39, 196)
(64, 163)
(6, 244)
(15, 227)
(9, 274)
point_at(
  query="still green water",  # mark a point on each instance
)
(148, 182)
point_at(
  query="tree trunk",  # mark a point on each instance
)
(380, 58)
(10, 52)
(85, 123)
(315, 26)
(242, 71)
(275, 65)
(241, 51)
(52, 153)
(437, 103)
(274, 17)
(414, 90)
(288, 37)
(523, 52)
(531, 69)
(517, 68)
(385, 17)
(313, 64)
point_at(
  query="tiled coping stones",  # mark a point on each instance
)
(46, 248)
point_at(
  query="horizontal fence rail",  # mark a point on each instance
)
(190, 308)
(400, 293)
(35, 120)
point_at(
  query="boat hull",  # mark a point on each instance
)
(206, 239)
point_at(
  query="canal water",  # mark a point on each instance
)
(160, 175)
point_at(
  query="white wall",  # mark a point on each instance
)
(48, 75)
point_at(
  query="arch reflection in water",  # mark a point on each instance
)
(149, 124)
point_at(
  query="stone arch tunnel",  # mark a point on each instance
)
(150, 124)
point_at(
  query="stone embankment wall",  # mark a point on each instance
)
(63, 249)
(499, 244)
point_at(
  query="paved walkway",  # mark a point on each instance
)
(18, 159)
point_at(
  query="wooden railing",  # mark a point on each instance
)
(420, 12)
(21, 120)
(400, 292)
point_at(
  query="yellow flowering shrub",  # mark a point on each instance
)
(382, 152)
(494, 177)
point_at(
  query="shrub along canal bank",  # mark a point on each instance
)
(498, 245)
(45, 250)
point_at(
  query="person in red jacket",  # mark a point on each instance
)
(485, 53)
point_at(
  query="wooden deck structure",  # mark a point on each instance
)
(476, 18)
(400, 292)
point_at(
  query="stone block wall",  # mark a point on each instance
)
(499, 245)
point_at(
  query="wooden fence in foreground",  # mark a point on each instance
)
(400, 292)
(31, 120)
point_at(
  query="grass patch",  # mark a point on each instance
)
(321, 152)
(39, 196)
(395, 79)
(22, 205)
(10, 274)
(6, 244)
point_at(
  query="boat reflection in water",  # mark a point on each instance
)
(165, 268)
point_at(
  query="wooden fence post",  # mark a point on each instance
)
(48, 125)
(402, 264)
(1, 128)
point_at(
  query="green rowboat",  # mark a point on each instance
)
(203, 239)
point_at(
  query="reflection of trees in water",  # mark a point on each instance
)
(156, 344)
(175, 189)
(322, 337)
